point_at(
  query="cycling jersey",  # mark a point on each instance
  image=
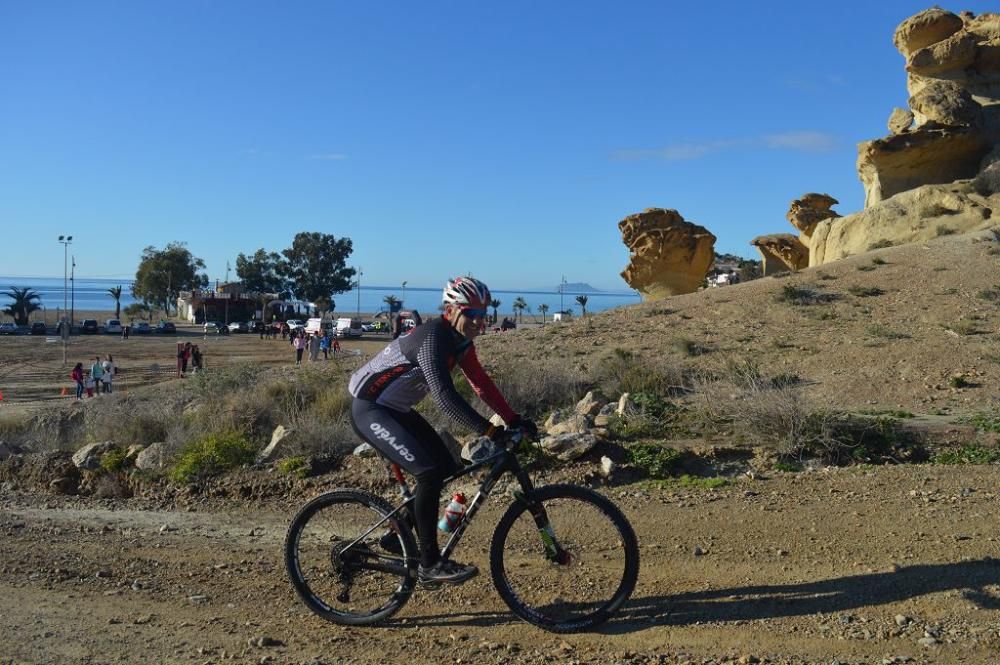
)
(421, 362)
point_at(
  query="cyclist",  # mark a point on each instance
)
(387, 387)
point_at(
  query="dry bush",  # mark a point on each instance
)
(536, 387)
(624, 371)
(761, 411)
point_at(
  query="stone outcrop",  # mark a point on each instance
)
(781, 252)
(923, 156)
(953, 79)
(669, 256)
(805, 213)
(916, 215)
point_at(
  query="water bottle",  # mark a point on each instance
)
(453, 513)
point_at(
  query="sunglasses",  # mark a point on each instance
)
(474, 313)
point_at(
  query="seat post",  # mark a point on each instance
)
(397, 474)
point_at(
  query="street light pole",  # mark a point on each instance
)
(72, 289)
(403, 299)
(360, 273)
(562, 287)
(63, 325)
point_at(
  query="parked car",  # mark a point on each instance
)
(239, 327)
(142, 328)
(316, 325)
(255, 326)
(113, 327)
(214, 327)
(166, 328)
(8, 329)
(347, 327)
(295, 324)
(368, 326)
(89, 327)
(39, 328)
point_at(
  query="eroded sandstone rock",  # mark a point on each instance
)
(923, 156)
(900, 120)
(946, 103)
(916, 215)
(669, 256)
(805, 213)
(928, 27)
(780, 252)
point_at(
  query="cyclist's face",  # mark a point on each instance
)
(469, 323)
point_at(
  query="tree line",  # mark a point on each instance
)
(312, 269)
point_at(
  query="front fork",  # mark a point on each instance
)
(553, 550)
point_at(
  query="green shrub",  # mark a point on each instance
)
(959, 381)
(991, 295)
(880, 244)
(655, 460)
(114, 460)
(294, 466)
(211, 455)
(970, 453)
(803, 295)
(865, 291)
(787, 466)
(963, 327)
(708, 483)
(652, 416)
(988, 421)
(624, 371)
(687, 347)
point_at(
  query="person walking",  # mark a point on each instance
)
(324, 344)
(336, 346)
(299, 342)
(314, 347)
(196, 359)
(97, 374)
(110, 369)
(185, 356)
(77, 376)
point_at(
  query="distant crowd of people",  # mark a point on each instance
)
(99, 379)
(316, 342)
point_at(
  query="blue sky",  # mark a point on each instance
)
(506, 139)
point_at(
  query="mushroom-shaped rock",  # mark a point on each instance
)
(928, 27)
(805, 213)
(949, 55)
(900, 120)
(924, 156)
(781, 252)
(669, 256)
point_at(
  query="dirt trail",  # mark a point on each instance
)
(861, 566)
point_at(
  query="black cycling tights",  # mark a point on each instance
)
(408, 440)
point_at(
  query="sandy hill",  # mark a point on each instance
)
(914, 327)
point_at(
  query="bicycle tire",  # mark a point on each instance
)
(322, 561)
(513, 556)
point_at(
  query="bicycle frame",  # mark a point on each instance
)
(499, 463)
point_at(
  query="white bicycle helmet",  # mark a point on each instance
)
(466, 292)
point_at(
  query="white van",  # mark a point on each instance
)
(113, 327)
(316, 325)
(347, 327)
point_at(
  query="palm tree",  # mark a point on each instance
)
(391, 301)
(543, 308)
(116, 293)
(519, 306)
(24, 304)
(494, 303)
(582, 300)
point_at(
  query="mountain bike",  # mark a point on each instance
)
(562, 557)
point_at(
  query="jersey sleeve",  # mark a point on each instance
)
(484, 386)
(432, 356)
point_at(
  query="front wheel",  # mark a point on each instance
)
(564, 558)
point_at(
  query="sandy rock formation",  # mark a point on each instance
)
(953, 78)
(669, 256)
(805, 213)
(916, 215)
(781, 252)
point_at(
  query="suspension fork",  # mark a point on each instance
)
(553, 550)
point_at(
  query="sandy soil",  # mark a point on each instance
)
(855, 566)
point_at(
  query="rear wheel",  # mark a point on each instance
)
(574, 576)
(338, 565)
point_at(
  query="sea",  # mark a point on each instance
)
(86, 294)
